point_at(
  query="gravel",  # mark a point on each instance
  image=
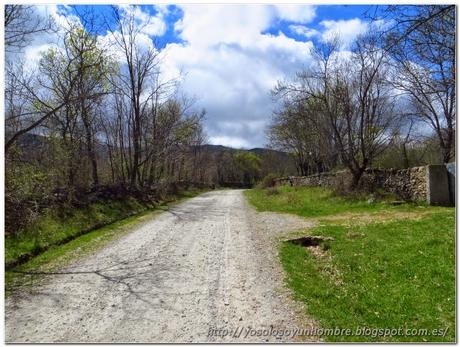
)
(204, 271)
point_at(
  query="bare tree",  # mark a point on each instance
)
(353, 100)
(22, 22)
(422, 45)
(141, 65)
(95, 121)
(298, 129)
(36, 105)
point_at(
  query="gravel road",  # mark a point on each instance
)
(206, 268)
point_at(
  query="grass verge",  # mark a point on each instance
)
(57, 253)
(392, 273)
(58, 226)
(316, 202)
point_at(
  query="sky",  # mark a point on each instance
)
(230, 56)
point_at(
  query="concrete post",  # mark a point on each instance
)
(451, 179)
(437, 185)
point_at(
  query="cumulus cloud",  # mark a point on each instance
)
(230, 61)
(346, 30)
(304, 31)
(296, 13)
(62, 19)
(204, 25)
(231, 66)
(148, 24)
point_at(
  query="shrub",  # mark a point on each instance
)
(268, 181)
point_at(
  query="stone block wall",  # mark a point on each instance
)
(409, 184)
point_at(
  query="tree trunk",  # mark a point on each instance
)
(356, 175)
(447, 154)
(89, 145)
(405, 156)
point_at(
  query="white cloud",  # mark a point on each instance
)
(233, 83)
(147, 26)
(231, 66)
(204, 25)
(235, 142)
(156, 27)
(346, 30)
(304, 31)
(296, 13)
(33, 54)
(153, 25)
(110, 43)
(60, 14)
(62, 19)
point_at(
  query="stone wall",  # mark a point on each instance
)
(409, 184)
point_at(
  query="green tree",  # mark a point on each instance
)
(77, 76)
(248, 164)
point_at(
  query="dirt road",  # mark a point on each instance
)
(199, 271)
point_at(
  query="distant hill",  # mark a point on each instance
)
(272, 160)
(258, 151)
(31, 141)
(265, 151)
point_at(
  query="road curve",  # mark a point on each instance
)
(205, 268)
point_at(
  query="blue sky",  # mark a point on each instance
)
(230, 55)
(175, 13)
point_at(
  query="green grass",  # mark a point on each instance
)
(314, 202)
(396, 273)
(57, 256)
(55, 228)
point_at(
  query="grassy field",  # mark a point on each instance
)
(56, 228)
(386, 267)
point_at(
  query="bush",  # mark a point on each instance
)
(268, 181)
(27, 190)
